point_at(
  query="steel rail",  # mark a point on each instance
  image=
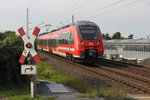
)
(132, 80)
(131, 66)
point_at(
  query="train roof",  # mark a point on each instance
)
(77, 23)
(80, 23)
(128, 41)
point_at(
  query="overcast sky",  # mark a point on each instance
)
(125, 16)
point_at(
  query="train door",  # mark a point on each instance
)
(47, 45)
(57, 42)
(71, 42)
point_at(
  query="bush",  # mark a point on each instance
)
(10, 52)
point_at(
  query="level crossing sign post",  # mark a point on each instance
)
(30, 68)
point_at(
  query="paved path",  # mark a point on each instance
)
(3, 98)
(141, 96)
(49, 89)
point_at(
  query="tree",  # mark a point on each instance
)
(9, 33)
(10, 51)
(106, 36)
(116, 35)
(5, 34)
(1, 36)
(130, 36)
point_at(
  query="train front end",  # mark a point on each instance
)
(90, 45)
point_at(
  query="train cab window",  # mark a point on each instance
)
(67, 36)
(88, 32)
(71, 36)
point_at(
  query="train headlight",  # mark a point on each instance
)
(82, 42)
(98, 42)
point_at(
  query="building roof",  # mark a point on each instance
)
(128, 41)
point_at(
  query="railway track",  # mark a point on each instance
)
(122, 64)
(136, 81)
(143, 71)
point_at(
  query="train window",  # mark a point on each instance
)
(38, 41)
(60, 39)
(88, 32)
(72, 40)
(42, 42)
(49, 42)
(70, 35)
(67, 36)
(54, 42)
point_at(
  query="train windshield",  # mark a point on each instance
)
(88, 32)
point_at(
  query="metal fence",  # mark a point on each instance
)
(137, 49)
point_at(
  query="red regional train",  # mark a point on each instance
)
(79, 41)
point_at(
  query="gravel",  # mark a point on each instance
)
(146, 62)
(86, 76)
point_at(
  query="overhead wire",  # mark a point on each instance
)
(70, 12)
(101, 8)
(73, 10)
(128, 4)
(98, 9)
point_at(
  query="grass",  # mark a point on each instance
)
(17, 93)
(28, 97)
(107, 93)
(46, 72)
(13, 91)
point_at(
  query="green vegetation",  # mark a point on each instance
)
(15, 86)
(10, 51)
(14, 91)
(19, 94)
(116, 35)
(27, 97)
(107, 93)
(46, 72)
